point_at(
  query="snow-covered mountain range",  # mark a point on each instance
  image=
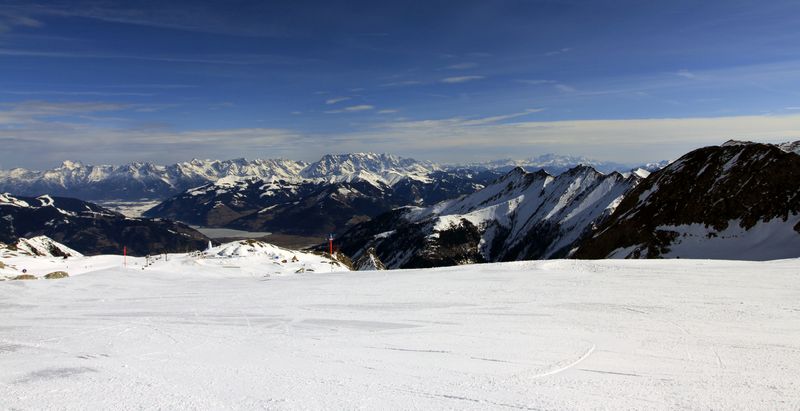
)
(418, 214)
(740, 200)
(311, 207)
(374, 168)
(136, 181)
(520, 216)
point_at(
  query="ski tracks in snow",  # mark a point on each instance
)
(566, 367)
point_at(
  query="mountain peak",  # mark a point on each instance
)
(71, 165)
(582, 168)
(734, 143)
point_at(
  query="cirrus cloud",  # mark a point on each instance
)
(461, 79)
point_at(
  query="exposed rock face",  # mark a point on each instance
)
(520, 216)
(56, 275)
(737, 201)
(24, 277)
(369, 262)
(88, 228)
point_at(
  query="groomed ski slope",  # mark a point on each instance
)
(529, 335)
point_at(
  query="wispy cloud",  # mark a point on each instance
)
(191, 16)
(38, 133)
(461, 66)
(536, 82)
(352, 109)
(150, 86)
(686, 74)
(77, 93)
(240, 59)
(461, 79)
(565, 88)
(388, 111)
(30, 112)
(10, 20)
(336, 100)
(46, 132)
(621, 140)
(402, 83)
(559, 51)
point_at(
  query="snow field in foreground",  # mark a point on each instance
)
(218, 334)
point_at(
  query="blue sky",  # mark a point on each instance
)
(629, 81)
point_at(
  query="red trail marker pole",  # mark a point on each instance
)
(125, 255)
(330, 244)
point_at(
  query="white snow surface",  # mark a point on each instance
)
(188, 333)
(765, 241)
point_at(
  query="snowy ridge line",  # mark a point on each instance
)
(144, 180)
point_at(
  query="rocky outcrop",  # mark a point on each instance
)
(740, 200)
(87, 228)
(369, 261)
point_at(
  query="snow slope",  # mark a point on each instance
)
(184, 334)
(246, 258)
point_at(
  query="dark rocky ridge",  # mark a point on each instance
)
(91, 229)
(712, 187)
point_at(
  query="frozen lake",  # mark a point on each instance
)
(229, 233)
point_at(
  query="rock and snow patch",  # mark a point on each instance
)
(9, 200)
(40, 246)
(369, 262)
(283, 261)
(770, 240)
